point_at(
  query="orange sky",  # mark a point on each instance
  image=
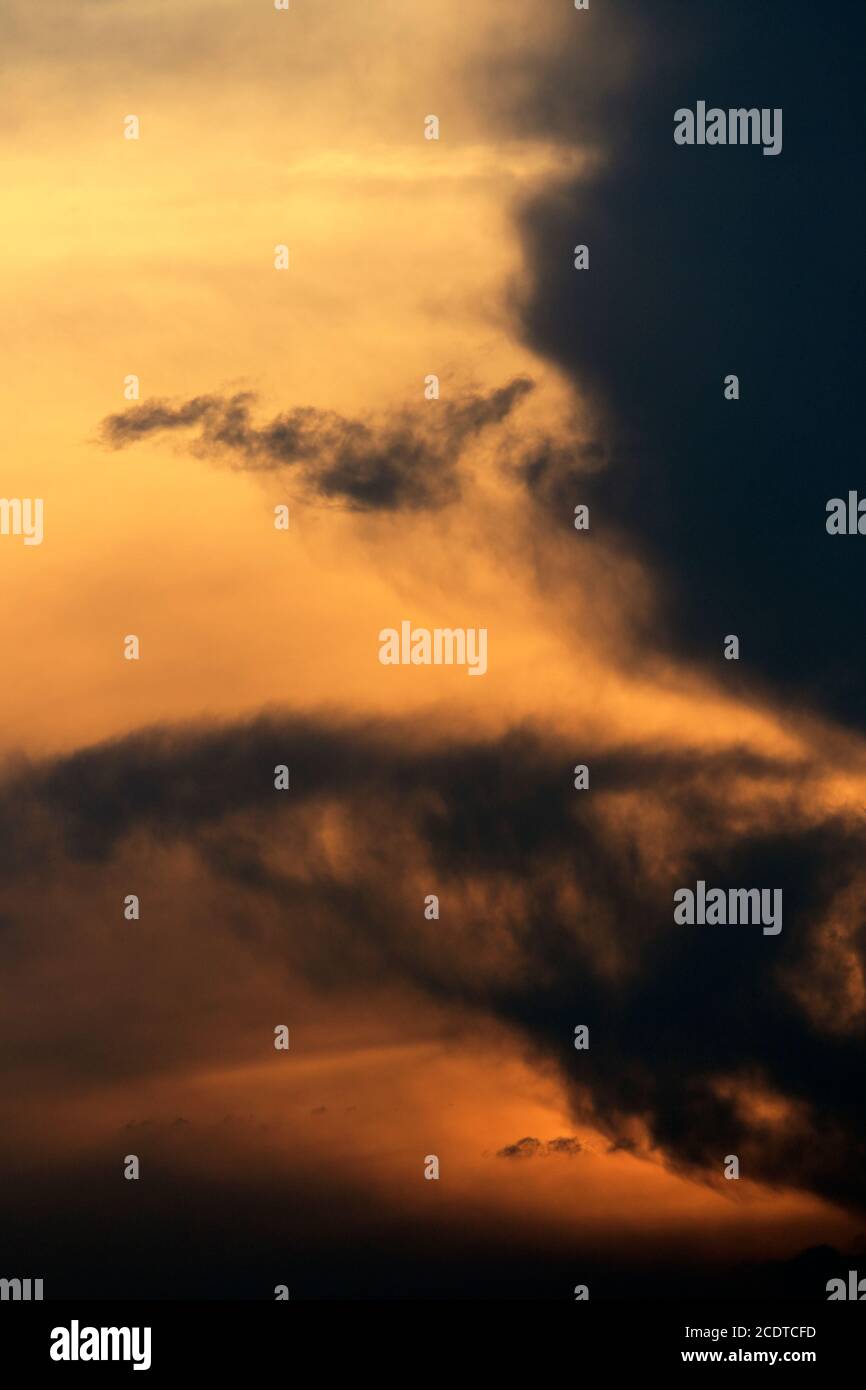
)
(155, 257)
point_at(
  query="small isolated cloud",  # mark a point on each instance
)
(534, 1148)
(405, 461)
(566, 1145)
(524, 1148)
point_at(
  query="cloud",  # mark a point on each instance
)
(566, 1146)
(408, 461)
(534, 1148)
(703, 1041)
(706, 262)
(524, 1148)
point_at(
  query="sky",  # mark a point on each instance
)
(258, 388)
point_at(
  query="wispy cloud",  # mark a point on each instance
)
(408, 460)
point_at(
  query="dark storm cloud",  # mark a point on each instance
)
(173, 781)
(559, 912)
(706, 262)
(409, 461)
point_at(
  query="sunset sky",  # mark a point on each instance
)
(260, 647)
